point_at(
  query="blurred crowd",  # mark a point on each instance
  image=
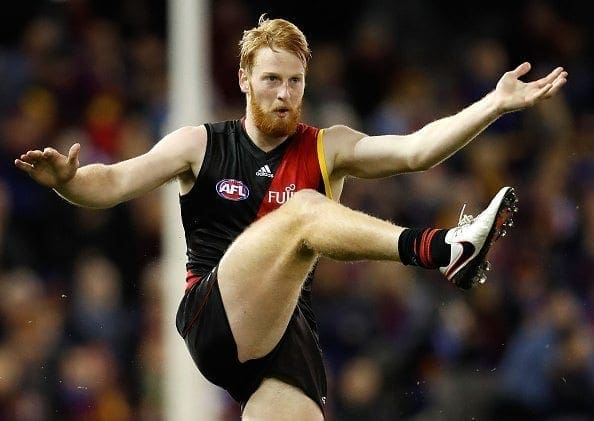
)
(80, 308)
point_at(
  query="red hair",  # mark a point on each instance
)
(276, 34)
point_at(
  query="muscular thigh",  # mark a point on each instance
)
(260, 279)
(276, 400)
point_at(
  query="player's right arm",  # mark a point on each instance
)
(178, 154)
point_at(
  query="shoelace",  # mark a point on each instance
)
(464, 219)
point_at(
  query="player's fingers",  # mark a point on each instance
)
(32, 156)
(24, 166)
(50, 153)
(550, 84)
(73, 153)
(556, 85)
(551, 77)
(521, 70)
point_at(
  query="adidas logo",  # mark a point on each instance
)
(265, 172)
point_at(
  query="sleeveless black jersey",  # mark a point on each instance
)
(239, 183)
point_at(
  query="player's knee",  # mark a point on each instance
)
(301, 212)
(304, 204)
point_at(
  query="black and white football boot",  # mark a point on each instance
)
(474, 236)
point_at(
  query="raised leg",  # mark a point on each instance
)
(262, 272)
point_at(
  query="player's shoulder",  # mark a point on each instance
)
(188, 131)
(187, 140)
(342, 133)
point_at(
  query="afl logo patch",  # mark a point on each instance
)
(231, 189)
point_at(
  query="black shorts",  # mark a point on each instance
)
(296, 360)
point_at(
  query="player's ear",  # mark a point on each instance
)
(244, 83)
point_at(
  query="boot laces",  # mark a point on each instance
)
(464, 219)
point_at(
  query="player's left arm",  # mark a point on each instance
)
(353, 153)
(359, 155)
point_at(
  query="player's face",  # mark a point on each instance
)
(275, 91)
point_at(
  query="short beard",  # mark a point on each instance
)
(271, 125)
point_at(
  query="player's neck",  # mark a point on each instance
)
(261, 140)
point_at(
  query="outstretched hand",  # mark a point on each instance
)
(49, 167)
(513, 94)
